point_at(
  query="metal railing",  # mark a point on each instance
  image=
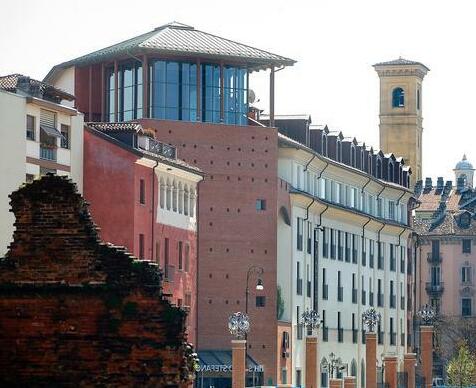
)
(47, 153)
(340, 334)
(380, 300)
(325, 291)
(434, 257)
(160, 148)
(340, 294)
(354, 295)
(434, 288)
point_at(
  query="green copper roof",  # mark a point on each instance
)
(185, 41)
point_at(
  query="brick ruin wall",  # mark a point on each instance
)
(77, 311)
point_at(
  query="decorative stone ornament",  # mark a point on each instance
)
(427, 314)
(311, 319)
(239, 324)
(371, 318)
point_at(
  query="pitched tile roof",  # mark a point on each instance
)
(180, 39)
(399, 62)
(10, 83)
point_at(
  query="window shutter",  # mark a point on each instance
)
(48, 118)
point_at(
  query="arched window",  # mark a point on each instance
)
(174, 196)
(186, 200)
(162, 192)
(168, 196)
(192, 203)
(398, 98)
(180, 197)
(353, 368)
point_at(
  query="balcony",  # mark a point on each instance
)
(434, 289)
(340, 294)
(434, 257)
(340, 334)
(47, 152)
(325, 291)
(148, 144)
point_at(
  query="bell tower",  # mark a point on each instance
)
(401, 111)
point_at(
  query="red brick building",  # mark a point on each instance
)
(75, 311)
(127, 177)
(191, 88)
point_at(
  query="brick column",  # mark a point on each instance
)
(390, 371)
(335, 383)
(238, 363)
(426, 346)
(311, 362)
(370, 360)
(409, 361)
(349, 382)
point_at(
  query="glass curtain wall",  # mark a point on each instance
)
(129, 92)
(236, 96)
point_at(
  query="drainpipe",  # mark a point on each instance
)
(308, 163)
(197, 262)
(308, 207)
(320, 218)
(363, 188)
(152, 240)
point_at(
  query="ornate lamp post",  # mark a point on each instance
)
(239, 326)
(427, 315)
(371, 318)
(311, 320)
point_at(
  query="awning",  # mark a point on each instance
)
(220, 361)
(51, 131)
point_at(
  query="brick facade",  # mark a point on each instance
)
(76, 311)
(240, 164)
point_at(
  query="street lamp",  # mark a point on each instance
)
(371, 318)
(259, 284)
(427, 314)
(334, 364)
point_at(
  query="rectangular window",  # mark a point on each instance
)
(435, 249)
(391, 210)
(392, 334)
(167, 271)
(157, 252)
(298, 279)
(298, 378)
(187, 257)
(466, 307)
(260, 301)
(364, 251)
(347, 247)
(309, 237)
(333, 243)
(466, 274)
(354, 249)
(402, 260)
(188, 299)
(354, 330)
(30, 127)
(393, 261)
(180, 255)
(380, 258)
(466, 246)
(325, 330)
(299, 326)
(299, 237)
(325, 287)
(340, 248)
(142, 191)
(141, 246)
(65, 139)
(325, 244)
(340, 330)
(371, 253)
(379, 207)
(260, 204)
(340, 289)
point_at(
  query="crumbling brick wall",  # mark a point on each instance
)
(78, 312)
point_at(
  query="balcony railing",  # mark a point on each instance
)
(364, 297)
(340, 294)
(308, 289)
(393, 301)
(371, 299)
(325, 291)
(325, 334)
(402, 303)
(363, 336)
(393, 338)
(355, 335)
(47, 153)
(434, 257)
(159, 148)
(434, 288)
(299, 287)
(380, 300)
(340, 334)
(354, 296)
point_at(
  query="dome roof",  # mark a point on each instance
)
(464, 164)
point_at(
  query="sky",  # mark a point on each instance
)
(335, 42)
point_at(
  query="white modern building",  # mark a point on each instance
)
(342, 247)
(40, 134)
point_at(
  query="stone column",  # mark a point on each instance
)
(335, 383)
(409, 361)
(349, 382)
(311, 362)
(370, 360)
(390, 371)
(238, 363)
(426, 346)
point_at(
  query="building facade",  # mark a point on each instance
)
(343, 240)
(401, 120)
(191, 88)
(446, 259)
(40, 133)
(145, 199)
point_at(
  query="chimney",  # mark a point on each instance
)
(428, 184)
(23, 84)
(439, 183)
(460, 184)
(418, 187)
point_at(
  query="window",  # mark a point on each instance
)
(260, 204)
(418, 99)
(466, 246)
(435, 249)
(166, 259)
(180, 255)
(141, 246)
(65, 138)
(325, 330)
(142, 191)
(299, 237)
(299, 326)
(298, 279)
(157, 252)
(391, 210)
(393, 261)
(435, 273)
(340, 249)
(284, 376)
(340, 330)
(30, 127)
(466, 274)
(162, 193)
(188, 299)
(466, 307)
(298, 378)
(398, 98)
(325, 244)
(340, 289)
(187, 257)
(380, 255)
(354, 248)
(235, 95)
(309, 237)
(325, 287)
(260, 301)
